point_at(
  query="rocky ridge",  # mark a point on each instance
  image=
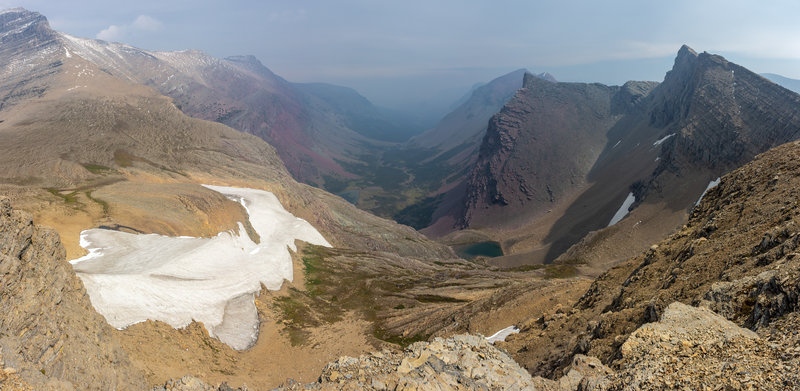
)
(736, 256)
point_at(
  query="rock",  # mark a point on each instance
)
(191, 383)
(462, 362)
(696, 348)
(49, 330)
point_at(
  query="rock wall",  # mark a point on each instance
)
(49, 332)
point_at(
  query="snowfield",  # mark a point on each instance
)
(131, 278)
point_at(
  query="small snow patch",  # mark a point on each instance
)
(661, 140)
(623, 210)
(711, 185)
(502, 334)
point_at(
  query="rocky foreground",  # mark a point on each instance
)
(689, 348)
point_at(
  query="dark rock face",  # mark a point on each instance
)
(26, 40)
(24, 31)
(541, 146)
(722, 114)
(49, 331)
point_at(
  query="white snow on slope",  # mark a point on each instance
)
(711, 184)
(661, 140)
(131, 278)
(502, 334)
(623, 210)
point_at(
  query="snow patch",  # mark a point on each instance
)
(623, 210)
(711, 185)
(661, 140)
(502, 334)
(131, 278)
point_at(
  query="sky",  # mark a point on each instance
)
(413, 53)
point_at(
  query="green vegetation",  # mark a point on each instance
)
(526, 268)
(100, 202)
(438, 299)
(383, 335)
(69, 198)
(559, 271)
(227, 115)
(123, 159)
(98, 169)
(334, 184)
(126, 159)
(418, 215)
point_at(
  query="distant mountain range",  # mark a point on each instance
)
(317, 129)
(785, 82)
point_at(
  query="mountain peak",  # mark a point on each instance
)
(24, 32)
(685, 50)
(530, 78)
(246, 59)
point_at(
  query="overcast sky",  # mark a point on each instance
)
(396, 50)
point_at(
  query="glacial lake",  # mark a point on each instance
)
(473, 250)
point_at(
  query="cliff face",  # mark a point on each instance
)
(539, 149)
(721, 114)
(49, 331)
(26, 41)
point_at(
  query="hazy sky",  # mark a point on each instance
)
(393, 51)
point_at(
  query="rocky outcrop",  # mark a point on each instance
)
(191, 383)
(49, 332)
(463, 362)
(696, 348)
(24, 31)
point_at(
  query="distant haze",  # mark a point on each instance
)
(419, 54)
